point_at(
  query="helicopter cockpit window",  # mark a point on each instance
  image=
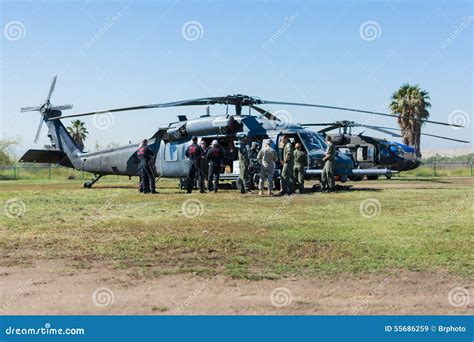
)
(313, 141)
(171, 152)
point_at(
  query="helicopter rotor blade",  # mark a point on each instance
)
(51, 88)
(265, 113)
(317, 124)
(62, 107)
(195, 102)
(39, 129)
(429, 135)
(355, 110)
(446, 138)
(327, 129)
(30, 109)
(380, 129)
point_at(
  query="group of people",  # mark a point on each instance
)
(292, 158)
(214, 154)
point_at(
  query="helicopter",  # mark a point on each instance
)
(370, 152)
(169, 143)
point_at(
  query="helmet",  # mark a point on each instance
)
(215, 142)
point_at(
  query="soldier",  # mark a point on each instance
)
(267, 157)
(204, 163)
(328, 182)
(300, 162)
(215, 155)
(194, 152)
(244, 163)
(254, 167)
(287, 180)
(147, 176)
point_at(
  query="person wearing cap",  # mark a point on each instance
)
(215, 155)
(328, 182)
(147, 176)
(194, 152)
(287, 180)
(267, 157)
(300, 162)
(244, 162)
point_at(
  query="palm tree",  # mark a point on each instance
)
(78, 132)
(410, 102)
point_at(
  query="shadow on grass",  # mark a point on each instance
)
(431, 180)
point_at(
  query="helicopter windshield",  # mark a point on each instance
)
(313, 141)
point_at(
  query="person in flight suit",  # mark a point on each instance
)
(328, 182)
(254, 163)
(194, 152)
(244, 163)
(287, 180)
(300, 162)
(215, 155)
(147, 176)
(267, 156)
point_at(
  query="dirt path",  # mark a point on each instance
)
(52, 287)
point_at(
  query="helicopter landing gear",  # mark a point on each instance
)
(372, 177)
(91, 182)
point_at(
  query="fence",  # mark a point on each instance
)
(40, 171)
(442, 169)
(54, 171)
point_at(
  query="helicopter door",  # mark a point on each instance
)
(365, 153)
(171, 159)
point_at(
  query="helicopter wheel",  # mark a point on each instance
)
(372, 177)
(88, 185)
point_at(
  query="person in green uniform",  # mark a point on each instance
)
(287, 180)
(328, 183)
(244, 163)
(300, 162)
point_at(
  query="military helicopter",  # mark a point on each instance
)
(170, 142)
(370, 152)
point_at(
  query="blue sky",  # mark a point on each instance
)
(110, 54)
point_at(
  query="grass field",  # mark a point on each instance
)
(373, 227)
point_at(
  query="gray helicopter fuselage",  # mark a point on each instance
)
(169, 146)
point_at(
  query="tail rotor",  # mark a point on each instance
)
(46, 108)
